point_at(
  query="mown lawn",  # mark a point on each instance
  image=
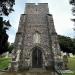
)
(69, 74)
(71, 65)
(4, 62)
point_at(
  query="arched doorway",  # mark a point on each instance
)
(37, 58)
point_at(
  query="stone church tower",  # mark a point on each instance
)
(36, 44)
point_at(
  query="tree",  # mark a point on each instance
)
(6, 6)
(74, 45)
(11, 47)
(66, 44)
(72, 2)
(4, 25)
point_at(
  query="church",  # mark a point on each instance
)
(36, 44)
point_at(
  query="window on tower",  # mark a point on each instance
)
(36, 37)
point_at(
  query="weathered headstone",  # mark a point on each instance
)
(65, 62)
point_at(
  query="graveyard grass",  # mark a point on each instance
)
(71, 65)
(4, 62)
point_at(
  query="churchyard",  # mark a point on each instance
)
(36, 48)
(71, 65)
(4, 62)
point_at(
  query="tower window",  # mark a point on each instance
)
(36, 38)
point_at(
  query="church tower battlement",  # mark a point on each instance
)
(40, 8)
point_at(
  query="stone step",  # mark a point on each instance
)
(26, 73)
(38, 71)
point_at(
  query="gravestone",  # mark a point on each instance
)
(65, 60)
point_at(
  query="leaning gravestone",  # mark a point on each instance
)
(65, 62)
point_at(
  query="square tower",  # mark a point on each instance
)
(36, 44)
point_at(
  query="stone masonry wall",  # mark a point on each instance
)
(36, 18)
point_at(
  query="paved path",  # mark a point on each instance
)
(67, 71)
(5, 73)
(31, 72)
(1, 73)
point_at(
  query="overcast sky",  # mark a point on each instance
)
(60, 9)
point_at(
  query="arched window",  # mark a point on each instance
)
(36, 38)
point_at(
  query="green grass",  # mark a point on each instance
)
(69, 74)
(4, 62)
(71, 65)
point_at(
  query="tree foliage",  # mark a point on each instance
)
(11, 47)
(6, 6)
(72, 2)
(67, 44)
(4, 25)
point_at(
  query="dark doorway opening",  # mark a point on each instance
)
(37, 58)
